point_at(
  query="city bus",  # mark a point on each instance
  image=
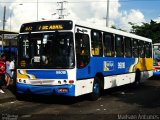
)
(69, 58)
(156, 59)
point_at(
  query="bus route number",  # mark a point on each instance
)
(61, 72)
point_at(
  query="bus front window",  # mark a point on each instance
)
(47, 50)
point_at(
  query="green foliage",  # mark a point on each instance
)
(114, 27)
(150, 30)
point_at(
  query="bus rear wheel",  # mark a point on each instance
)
(96, 90)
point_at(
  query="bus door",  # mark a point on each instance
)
(82, 52)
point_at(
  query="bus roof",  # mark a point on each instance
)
(93, 26)
(156, 44)
(111, 30)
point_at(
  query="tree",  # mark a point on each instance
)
(150, 30)
(114, 27)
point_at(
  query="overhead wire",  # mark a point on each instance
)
(82, 1)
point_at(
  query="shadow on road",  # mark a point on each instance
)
(51, 99)
(147, 95)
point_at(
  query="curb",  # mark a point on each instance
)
(8, 99)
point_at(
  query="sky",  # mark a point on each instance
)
(121, 12)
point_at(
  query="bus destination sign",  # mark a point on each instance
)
(46, 26)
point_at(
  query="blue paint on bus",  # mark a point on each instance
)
(45, 90)
(48, 74)
(115, 66)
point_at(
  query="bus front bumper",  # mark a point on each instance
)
(65, 90)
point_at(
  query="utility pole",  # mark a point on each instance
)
(61, 15)
(4, 17)
(107, 14)
(37, 10)
(4, 22)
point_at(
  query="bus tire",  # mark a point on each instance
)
(136, 83)
(96, 90)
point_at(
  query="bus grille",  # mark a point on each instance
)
(42, 82)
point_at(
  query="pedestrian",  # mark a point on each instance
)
(8, 72)
(12, 70)
(2, 71)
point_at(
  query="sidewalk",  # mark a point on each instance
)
(8, 96)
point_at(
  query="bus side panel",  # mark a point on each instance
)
(118, 80)
(83, 87)
(107, 66)
(116, 71)
(145, 64)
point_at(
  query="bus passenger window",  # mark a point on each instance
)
(108, 41)
(96, 43)
(82, 49)
(128, 47)
(148, 50)
(135, 49)
(141, 49)
(119, 46)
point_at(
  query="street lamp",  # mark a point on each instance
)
(43, 18)
(54, 14)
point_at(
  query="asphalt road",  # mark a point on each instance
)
(117, 103)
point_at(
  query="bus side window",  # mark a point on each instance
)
(119, 46)
(82, 49)
(108, 41)
(128, 47)
(96, 42)
(135, 48)
(141, 49)
(148, 50)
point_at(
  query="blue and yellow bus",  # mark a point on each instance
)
(64, 57)
(156, 59)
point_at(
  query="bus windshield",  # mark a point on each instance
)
(46, 50)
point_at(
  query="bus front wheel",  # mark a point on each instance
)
(96, 90)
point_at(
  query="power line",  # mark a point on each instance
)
(89, 1)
